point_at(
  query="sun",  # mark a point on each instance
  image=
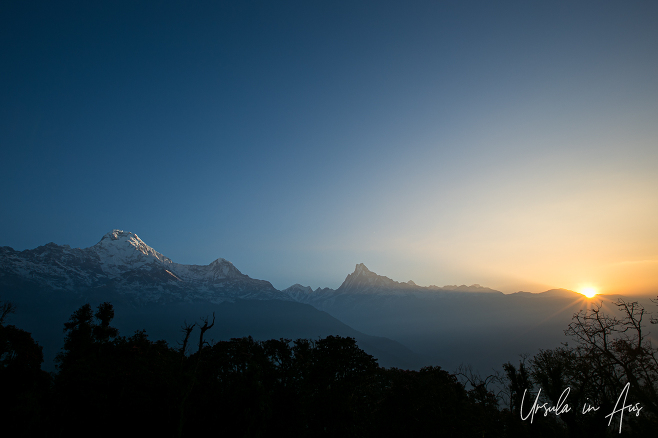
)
(589, 292)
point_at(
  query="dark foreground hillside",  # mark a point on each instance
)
(109, 384)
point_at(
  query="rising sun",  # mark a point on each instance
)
(589, 292)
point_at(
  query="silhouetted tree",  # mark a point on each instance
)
(23, 384)
(116, 382)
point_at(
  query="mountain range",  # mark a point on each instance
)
(121, 263)
(401, 323)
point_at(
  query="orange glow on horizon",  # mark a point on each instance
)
(589, 292)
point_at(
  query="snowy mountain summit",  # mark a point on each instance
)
(119, 249)
(122, 264)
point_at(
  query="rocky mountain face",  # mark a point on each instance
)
(121, 263)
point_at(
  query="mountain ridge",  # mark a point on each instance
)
(124, 263)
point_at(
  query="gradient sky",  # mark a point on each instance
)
(511, 144)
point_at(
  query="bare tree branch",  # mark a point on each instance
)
(204, 329)
(618, 349)
(5, 309)
(187, 329)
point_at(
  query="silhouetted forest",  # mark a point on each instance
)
(108, 384)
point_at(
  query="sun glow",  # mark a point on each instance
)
(589, 292)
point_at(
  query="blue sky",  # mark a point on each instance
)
(512, 144)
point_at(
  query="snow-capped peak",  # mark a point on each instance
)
(118, 249)
(118, 237)
(221, 261)
(224, 269)
(121, 262)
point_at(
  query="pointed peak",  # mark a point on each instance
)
(363, 279)
(118, 249)
(224, 265)
(119, 238)
(225, 268)
(118, 234)
(221, 261)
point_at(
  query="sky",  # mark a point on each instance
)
(510, 144)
